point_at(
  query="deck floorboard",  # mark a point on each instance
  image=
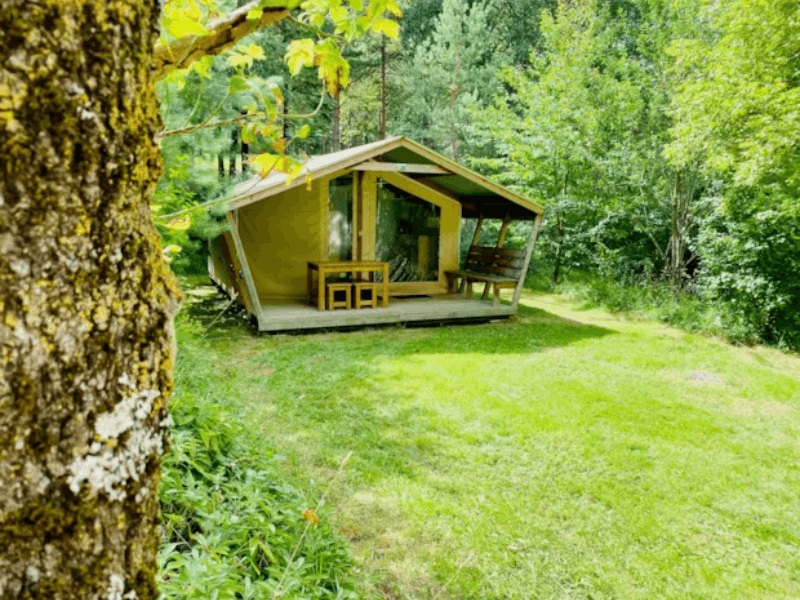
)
(277, 316)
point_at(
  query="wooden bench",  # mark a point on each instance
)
(499, 268)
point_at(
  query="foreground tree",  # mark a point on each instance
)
(86, 297)
(87, 301)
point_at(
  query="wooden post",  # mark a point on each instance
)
(500, 240)
(477, 231)
(356, 223)
(233, 220)
(503, 230)
(528, 251)
(475, 237)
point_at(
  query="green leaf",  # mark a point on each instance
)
(237, 84)
(237, 60)
(203, 66)
(339, 14)
(303, 132)
(254, 51)
(387, 27)
(357, 5)
(185, 27)
(265, 163)
(300, 54)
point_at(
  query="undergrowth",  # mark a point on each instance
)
(232, 524)
(658, 301)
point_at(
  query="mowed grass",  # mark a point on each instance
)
(563, 454)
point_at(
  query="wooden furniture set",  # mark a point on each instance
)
(499, 268)
(354, 293)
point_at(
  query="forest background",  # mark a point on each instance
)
(661, 136)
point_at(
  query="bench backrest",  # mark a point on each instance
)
(495, 261)
(480, 259)
(508, 263)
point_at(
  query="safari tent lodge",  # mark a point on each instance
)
(371, 235)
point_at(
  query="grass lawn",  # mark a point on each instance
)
(563, 454)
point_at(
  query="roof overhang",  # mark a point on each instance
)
(477, 195)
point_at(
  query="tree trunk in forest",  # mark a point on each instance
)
(335, 128)
(383, 89)
(454, 92)
(675, 255)
(234, 151)
(86, 299)
(285, 120)
(557, 259)
(560, 233)
(244, 148)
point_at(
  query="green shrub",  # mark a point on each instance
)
(230, 521)
(657, 301)
(751, 265)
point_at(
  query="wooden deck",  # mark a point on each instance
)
(430, 309)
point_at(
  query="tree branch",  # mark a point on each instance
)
(239, 119)
(223, 33)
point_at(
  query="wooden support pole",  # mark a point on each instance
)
(475, 237)
(528, 251)
(387, 167)
(477, 231)
(250, 286)
(500, 240)
(503, 230)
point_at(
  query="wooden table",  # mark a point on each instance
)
(326, 267)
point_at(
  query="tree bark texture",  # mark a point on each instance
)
(86, 301)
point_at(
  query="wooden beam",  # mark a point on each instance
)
(222, 34)
(500, 239)
(420, 188)
(503, 230)
(233, 220)
(528, 251)
(477, 231)
(387, 167)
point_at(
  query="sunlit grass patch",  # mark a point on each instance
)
(563, 454)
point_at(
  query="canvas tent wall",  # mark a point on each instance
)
(407, 205)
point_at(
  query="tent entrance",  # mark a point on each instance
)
(340, 218)
(407, 235)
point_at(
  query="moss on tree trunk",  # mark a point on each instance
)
(86, 300)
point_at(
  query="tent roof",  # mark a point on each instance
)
(477, 195)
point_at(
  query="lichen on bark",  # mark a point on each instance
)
(86, 299)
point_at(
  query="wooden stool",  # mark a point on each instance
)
(371, 301)
(333, 289)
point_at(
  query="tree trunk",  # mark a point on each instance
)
(383, 89)
(234, 151)
(675, 254)
(335, 128)
(86, 301)
(557, 259)
(244, 149)
(220, 165)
